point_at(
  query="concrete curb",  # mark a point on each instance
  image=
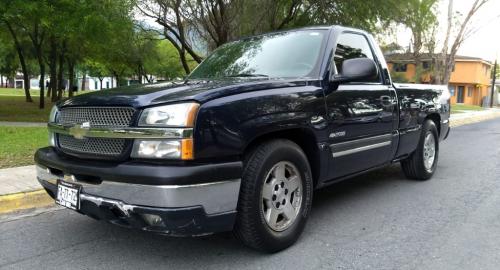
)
(24, 200)
(459, 121)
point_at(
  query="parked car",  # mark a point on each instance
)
(245, 140)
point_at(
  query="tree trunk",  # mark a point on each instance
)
(84, 77)
(22, 61)
(60, 74)
(71, 74)
(41, 64)
(100, 79)
(461, 36)
(53, 68)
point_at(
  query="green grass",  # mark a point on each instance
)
(17, 92)
(18, 145)
(34, 93)
(16, 109)
(459, 108)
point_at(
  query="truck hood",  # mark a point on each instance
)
(152, 94)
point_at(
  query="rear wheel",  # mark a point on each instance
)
(275, 196)
(422, 163)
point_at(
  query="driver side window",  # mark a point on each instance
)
(351, 46)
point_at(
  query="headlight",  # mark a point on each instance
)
(181, 115)
(165, 149)
(53, 114)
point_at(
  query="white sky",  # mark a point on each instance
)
(485, 43)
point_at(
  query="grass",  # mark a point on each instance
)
(459, 108)
(34, 93)
(17, 92)
(16, 109)
(19, 145)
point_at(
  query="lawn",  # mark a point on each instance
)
(19, 144)
(459, 108)
(17, 92)
(15, 108)
(34, 93)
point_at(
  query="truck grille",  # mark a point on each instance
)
(95, 148)
(97, 116)
(103, 147)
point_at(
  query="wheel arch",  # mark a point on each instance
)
(436, 118)
(304, 138)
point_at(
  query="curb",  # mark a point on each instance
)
(24, 200)
(473, 119)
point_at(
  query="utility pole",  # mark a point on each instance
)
(493, 83)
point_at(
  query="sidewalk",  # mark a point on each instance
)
(469, 117)
(19, 188)
(21, 124)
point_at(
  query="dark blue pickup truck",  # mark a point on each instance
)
(244, 141)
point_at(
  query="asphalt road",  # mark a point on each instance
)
(375, 221)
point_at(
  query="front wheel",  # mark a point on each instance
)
(422, 163)
(275, 196)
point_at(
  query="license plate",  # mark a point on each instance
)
(68, 195)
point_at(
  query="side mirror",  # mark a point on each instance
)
(356, 69)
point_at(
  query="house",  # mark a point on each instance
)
(470, 81)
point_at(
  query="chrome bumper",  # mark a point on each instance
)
(214, 197)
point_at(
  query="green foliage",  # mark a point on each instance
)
(399, 77)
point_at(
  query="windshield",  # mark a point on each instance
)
(286, 54)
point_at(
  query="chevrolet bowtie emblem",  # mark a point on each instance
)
(79, 130)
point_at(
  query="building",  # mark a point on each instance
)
(470, 81)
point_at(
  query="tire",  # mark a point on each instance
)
(255, 225)
(415, 167)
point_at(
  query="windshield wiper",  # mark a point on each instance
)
(248, 75)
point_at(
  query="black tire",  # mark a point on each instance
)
(251, 227)
(413, 167)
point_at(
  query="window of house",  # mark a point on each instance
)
(426, 65)
(399, 67)
(107, 84)
(470, 90)
(351, 46)
(95, 85)
(452, 89)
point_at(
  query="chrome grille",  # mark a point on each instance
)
(97, 116)
(92, 146)
(95, 148)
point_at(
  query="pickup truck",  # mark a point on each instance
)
(244, 141)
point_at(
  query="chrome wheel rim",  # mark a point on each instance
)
(429, 151)
(281, 197)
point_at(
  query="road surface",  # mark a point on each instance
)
(376, 221)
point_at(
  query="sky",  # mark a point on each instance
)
(485, 43)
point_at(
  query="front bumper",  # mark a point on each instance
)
(198, 208)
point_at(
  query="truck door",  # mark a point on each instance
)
(361, 114)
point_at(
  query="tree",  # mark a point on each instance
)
(7, 20)
(419, 16)
(187, 22)
(447, 57)
(8, 61)
(168, 13)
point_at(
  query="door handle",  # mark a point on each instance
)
(386, 99)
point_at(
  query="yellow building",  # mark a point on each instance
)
(470, 80)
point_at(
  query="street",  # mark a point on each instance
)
(376, 221)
